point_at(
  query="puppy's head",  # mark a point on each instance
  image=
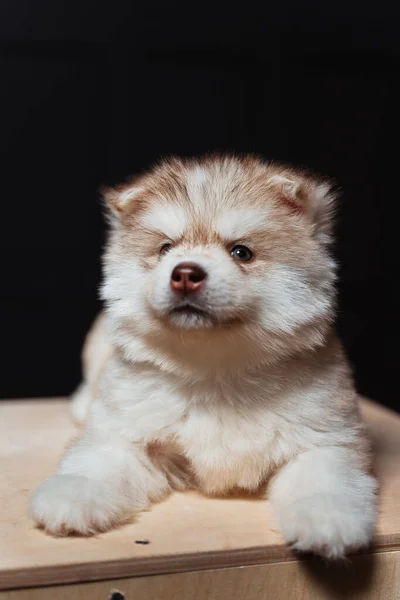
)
(232, 248)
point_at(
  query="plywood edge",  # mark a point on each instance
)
(138, 567)
(162, 565)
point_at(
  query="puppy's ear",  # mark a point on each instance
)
(313, 199)
(121, 201)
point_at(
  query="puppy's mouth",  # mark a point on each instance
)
(190, 310)
(188, 315)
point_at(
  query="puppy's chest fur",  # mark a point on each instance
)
(232, 437)
(224, 448)
(233, 433)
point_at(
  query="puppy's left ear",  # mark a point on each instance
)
(315, 200)
(121, 201)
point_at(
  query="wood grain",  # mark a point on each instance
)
(370, 577)
(187, 532)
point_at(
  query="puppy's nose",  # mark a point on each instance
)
(187, 277)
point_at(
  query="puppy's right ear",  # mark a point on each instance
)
(121, 201)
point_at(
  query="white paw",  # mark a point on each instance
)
(329, 525)
(70, 504)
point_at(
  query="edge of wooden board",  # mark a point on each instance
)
(166, 564)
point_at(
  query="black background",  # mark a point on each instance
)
(92, 92)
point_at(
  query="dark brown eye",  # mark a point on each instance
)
(165, 249)
(241, 253)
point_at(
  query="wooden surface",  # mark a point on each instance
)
(186, 532)
(368, 577)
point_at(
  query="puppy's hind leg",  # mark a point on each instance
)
(96, 351)
(80, 403)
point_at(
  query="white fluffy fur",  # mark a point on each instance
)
(259, 392)
(170, 220)
(237, 223)
(324, 502)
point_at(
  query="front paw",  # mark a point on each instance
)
(71, 504)
(328, 525)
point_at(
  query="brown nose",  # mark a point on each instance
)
(187, 277)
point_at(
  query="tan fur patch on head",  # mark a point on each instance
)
(222, 200)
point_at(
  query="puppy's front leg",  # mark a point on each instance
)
(324, 502)
(101, 481)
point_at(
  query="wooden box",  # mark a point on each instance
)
(197, 548)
